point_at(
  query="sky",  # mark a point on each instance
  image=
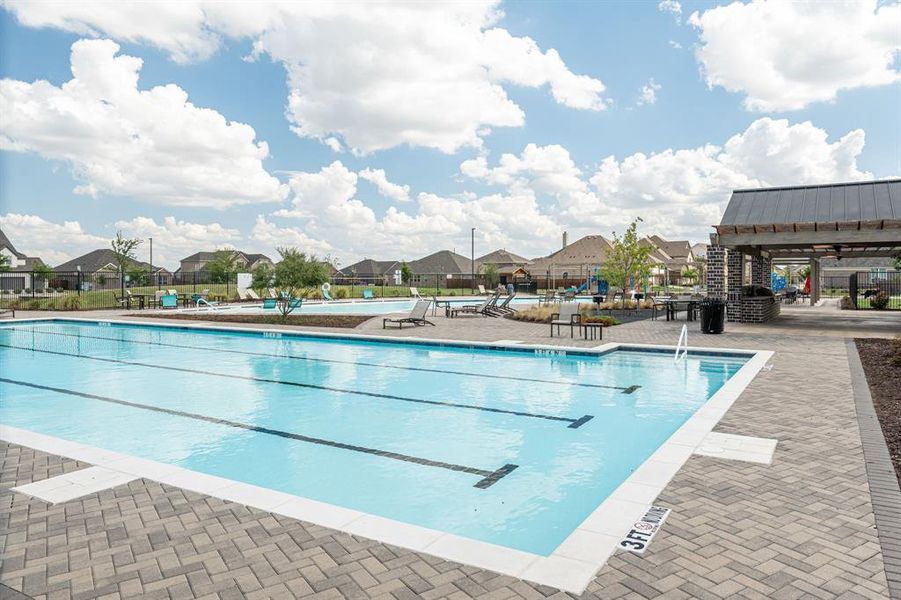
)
(389, 130)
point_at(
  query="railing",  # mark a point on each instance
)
(682, 344)
(872, 289)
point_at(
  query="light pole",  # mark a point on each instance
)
(472, 260)
(151, 266)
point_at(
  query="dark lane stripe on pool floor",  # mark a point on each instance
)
(489, 478)
(573, 423)
(625, 390)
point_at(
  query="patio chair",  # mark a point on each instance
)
(269, 303)
(169, 301)
(367, 294)
(251, 295)
(123, 301)
(158, 298)
(569, 295)
(272, 293)
(416, 316)
(482, 291)
(483, 309)
(550, 297)
(414, 292)
(657, 304)
(568, 316)
(9, 313)
(326, 293)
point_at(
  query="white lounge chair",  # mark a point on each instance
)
(416, 317)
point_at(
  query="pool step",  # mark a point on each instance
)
(76, 484)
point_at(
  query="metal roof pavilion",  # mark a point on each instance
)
(842, 219)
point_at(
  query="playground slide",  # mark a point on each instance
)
(581, 288)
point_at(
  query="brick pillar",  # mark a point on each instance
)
(716, 272)
(734, 280)
(761, 268)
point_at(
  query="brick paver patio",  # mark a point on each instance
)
(801, 527)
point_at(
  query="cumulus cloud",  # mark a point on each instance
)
(648, 92)
(428, 74)
(174, 239)
(54, 243)
(377, 177)
(144, 144)
(673, 7)
(271, 236)
(786, 55)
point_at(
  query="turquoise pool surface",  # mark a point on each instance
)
(381, 307)
(515, 448)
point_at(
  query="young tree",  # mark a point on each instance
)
(224, 263)
(489, 270)
(4, 263)
(261, 277)
(124, 250)
(138, 275)
(296, 275)
(406, 273)
(42, 273)
(701, 267)
(690, 274)
(628, 260)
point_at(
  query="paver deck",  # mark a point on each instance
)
(800, 527)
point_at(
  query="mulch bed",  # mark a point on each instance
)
(884, 379)
(345, 321)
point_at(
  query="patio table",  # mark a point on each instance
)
(672, 307)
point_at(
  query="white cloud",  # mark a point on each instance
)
(648, 92)
(787, 55)
(174, 239)
(151, 145)
(428, 74)
(377, 177)
(54, 243)
(272, 237)
(676, 45)
(327, 198)
(334, 144)
(673, 7)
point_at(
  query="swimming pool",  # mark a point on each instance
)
(513, 447)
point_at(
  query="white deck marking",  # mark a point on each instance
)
(738, 447)
(76, 484)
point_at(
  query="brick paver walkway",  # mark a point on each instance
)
(801, 527)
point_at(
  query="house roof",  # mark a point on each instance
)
(589, 250)
(675, 249)
(96, 260)
(208, 256)
(831, 203)
(5, 243)
(503, 257)
(30, 263)
(443, 261)
(369, 268)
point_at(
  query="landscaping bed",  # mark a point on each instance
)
(345, 321)
(881, 360)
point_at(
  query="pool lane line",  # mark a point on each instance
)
(625, 390)
(573, 423)
(489, 478)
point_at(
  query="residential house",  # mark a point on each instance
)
(444, 267)
(836, 274)
(573, 264)
(508, 265)
(371, 271)
(198, 262)
(20, 266)
(99, 269)
(679, 259)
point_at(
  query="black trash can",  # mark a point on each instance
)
(713, 315)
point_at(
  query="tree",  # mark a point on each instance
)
(701, 266)
(124, 250)
(690, 274)
(42, 273)
(296, 275)
(261, 277)
(406, 273)
(4, 263)
(224, 263)
(627, 260)
(489, 270)
(896, 261)
(138, 275)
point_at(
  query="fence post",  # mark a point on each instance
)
(852, 288)
(195, 282)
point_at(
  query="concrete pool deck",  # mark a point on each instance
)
(801, 526)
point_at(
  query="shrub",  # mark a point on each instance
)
(845, 303)
(34, 305)
(72, 303)
(340, 293)
(606, 320)
(880, 300)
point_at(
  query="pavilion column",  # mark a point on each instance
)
(716, 272)
(814, 281)
(734, 280)
(761, 267)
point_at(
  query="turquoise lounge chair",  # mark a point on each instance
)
(367, 294)
(269, 303)
(326, 294)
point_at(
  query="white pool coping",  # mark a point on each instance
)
(570, 567)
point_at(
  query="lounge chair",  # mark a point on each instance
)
(8, 313)
(569, 295)
(414, 292)
(483, 309)
(482, 291)
(269, 302)
(272, 293)
(326, 294)
(568, 316)
(169, 301)
(251, 295)
(550, 297)
(504, 307)
(416, 317)
(367, 294)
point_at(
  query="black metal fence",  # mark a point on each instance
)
(73, 290)
(875, 289)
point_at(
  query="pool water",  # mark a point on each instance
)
(515, 448)
(378, 307)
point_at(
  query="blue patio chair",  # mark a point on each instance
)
(169, 301)
(269, 303)
(367, 294)
(326, 293)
